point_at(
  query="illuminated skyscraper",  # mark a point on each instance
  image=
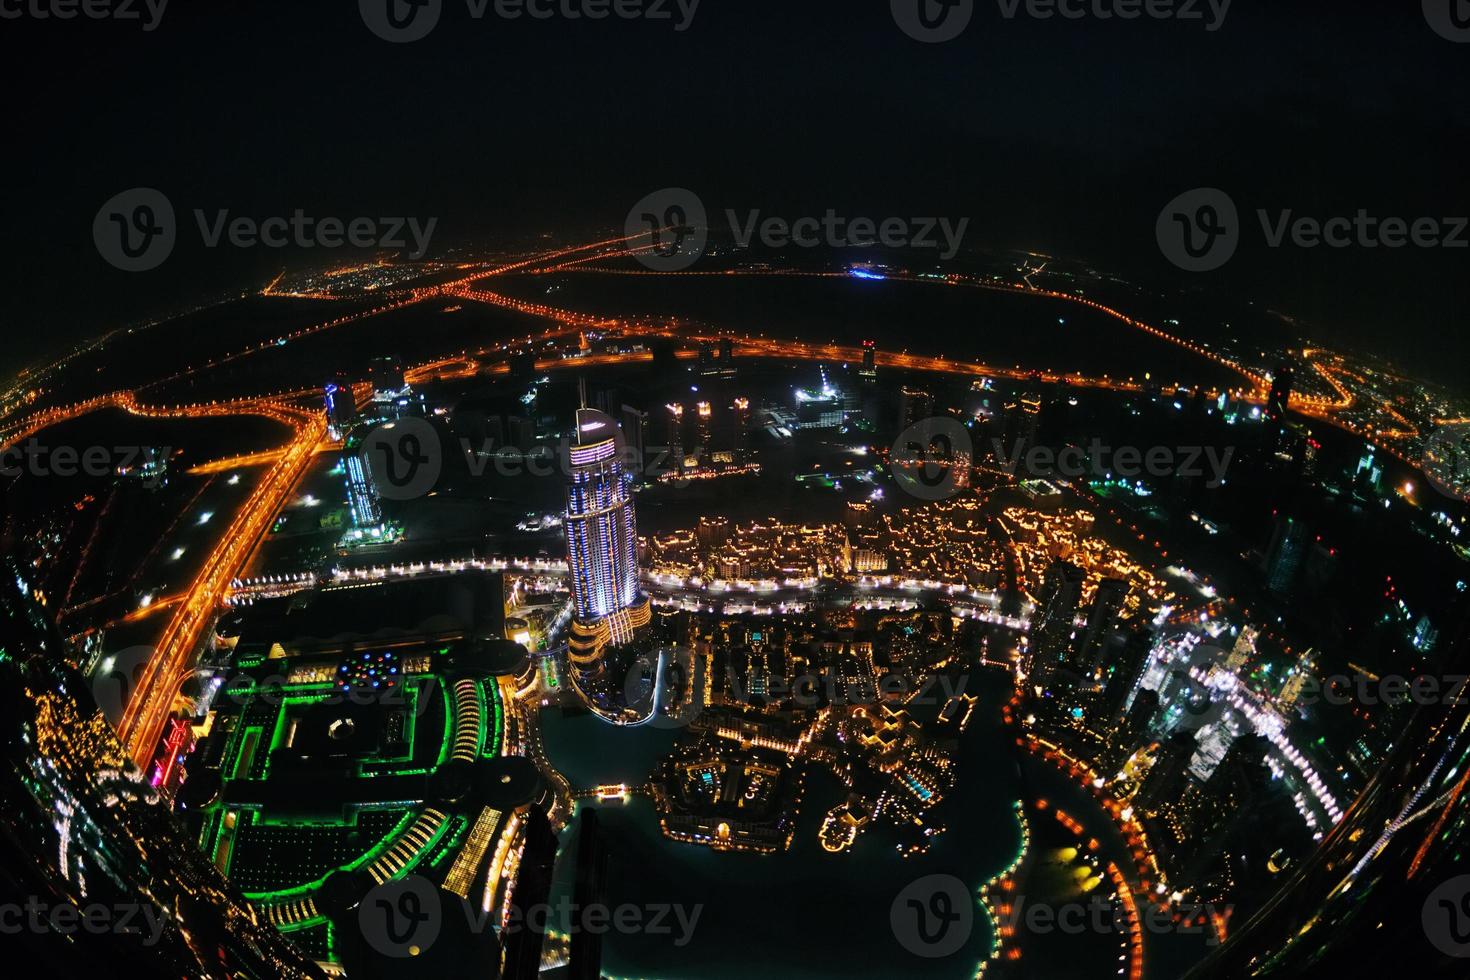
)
(362, 492)
(602, 542)
(1056, 612)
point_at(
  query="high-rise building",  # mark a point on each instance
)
(341, 407)
(1284, 557)
(869, 370)
(362, 492)
(740, 412)
(602, 542)
(676, 436)
(1279, 430)
(1280, 397)
(1209, 812)
(1134, 728)
(704, 425)
(914, 406)
(1169, 778)
(707, 363)
(386, 374)
(820, 408)
(1143, 710)
(589, 890)
(1022, 424)
(1056, 612)
(1126, 669)
(1243, 650)
(1102, 619)
(635, 433)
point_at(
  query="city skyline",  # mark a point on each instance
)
(681, 489)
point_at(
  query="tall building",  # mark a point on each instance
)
(392, 397)
(869, 370)
(703, 426)
(727, 357)
(602, 542)
(1102, 620)
(1281, 382)
(589, 890)
(341, 407)
(1279, 430)
(914, 406)
(1210, 811)
(1169, 778)
(1243, 651)
(676, 436)
(362, 492)
(1126, 670)
(1022, 424)
(1284, 557)
(1134, 728)
(740, 411)
(1056, 612)
(386, 374)
(635, 433)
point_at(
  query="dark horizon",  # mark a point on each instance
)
(1052, 136)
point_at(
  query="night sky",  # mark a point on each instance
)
(1055, 136)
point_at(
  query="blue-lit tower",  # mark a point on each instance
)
(602, 542)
